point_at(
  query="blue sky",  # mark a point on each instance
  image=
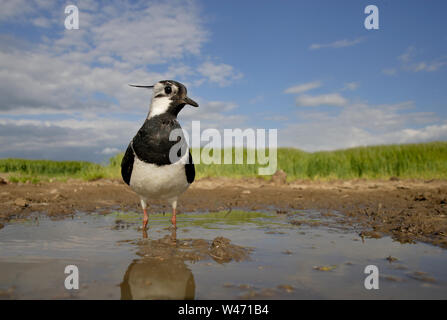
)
(307, 68)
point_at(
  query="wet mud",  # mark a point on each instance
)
(407, 210)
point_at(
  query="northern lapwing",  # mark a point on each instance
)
(157, 163)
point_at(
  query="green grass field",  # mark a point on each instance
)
(423, 161)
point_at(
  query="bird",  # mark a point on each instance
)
(155, 166)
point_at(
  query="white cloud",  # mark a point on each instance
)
(110, 151)
(351, 86)
(362, 124)
(407, 55)
(115, 45)
(331, 99)
(64, 139)
(80, 77)
(427, 66)
(95, 137)
(389, 71)
(41, 22)
(336, 44)
(11, 9)
(257, 99)
(409, 63)
(160, 32)
(222, 74)
(303, 87)
(213, 114)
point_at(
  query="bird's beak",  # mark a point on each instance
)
(190, 102)
(138, 86)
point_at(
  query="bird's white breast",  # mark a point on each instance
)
(159, 182)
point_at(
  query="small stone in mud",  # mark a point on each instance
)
(262, 293)
(3, 181)
(325, 268)
(370, 234)
(394, 179)
(420, 197)
(392, 278)
(245, 286)
(1, 225)
(391, 259)
(280, 177)
(287, 288)
(275, 232)
(246, 192)
(20, 202)
(221, 250)
(58, 196)
(220, 242)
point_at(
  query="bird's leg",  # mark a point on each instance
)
(145, 219)
(145, 216)
(173, 219)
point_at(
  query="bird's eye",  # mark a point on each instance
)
(168, 90)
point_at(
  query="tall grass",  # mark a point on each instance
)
(424, 161)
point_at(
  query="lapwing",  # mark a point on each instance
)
(157, 164)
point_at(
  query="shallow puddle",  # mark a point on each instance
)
(268, 258)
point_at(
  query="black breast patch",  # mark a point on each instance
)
(152, 144)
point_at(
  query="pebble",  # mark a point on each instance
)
(391, 259)
(20, 202)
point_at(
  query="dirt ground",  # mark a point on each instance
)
(408, 210)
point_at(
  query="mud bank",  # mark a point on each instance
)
(408, 210)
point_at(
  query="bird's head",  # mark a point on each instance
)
(169, 96)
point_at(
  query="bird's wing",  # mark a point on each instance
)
(127, 164)
(190, 170)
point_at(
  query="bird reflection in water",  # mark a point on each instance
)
(159, 274)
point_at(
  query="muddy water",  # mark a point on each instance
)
(211, 256)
